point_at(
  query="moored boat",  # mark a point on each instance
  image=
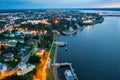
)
(68, 75)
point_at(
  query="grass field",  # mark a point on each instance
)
(50, 75)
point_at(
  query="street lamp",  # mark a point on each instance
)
(56, 21)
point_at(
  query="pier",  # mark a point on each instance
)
(70, 32)
(61, 43)
(66, 65)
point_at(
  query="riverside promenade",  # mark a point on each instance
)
(54, 61)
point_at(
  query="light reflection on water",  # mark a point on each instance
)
(94, 51)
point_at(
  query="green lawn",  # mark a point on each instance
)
(52, 54)
(50, 75)
(1, 59)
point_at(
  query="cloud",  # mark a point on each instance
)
(61, 1)
(112, 5)
(58, 3)
(66, 3)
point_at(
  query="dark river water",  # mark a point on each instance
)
(94, 51)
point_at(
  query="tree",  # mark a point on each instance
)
(26, 39)
(2, 36)
(14, 77)
(34, 59)
(36, 37)
(18, 44)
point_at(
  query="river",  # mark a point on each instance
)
(94, 51)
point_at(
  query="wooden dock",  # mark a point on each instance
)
(66, 65)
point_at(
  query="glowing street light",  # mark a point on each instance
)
(26, 29)
(41, 53)
(45, 22)
(56, 21)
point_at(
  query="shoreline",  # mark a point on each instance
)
(54, 61)
(54, 68)
(52, 71)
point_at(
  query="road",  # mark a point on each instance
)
(13, 71)
(8, 73)
(41, 68)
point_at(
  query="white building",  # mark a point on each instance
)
(12, 43)
(24, 68)
(21, 65)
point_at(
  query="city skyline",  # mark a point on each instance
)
(36, 4)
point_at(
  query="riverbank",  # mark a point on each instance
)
(54, 61)
(68, 32)
(94, 50)
(52, 71)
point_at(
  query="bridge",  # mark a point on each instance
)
(66, 65)
(114, 15)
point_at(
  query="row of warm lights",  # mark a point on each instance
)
(6, 74)
(10, 27)
(56, 21)
(26, 29)
(39, 21)
(45, 22)
(18, 28)
(41, 72)
(4, 44)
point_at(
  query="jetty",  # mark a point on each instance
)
(66, 65)
(69, 32)
(61, 43)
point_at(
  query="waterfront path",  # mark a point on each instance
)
(54, 61)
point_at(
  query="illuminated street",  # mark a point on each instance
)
(8, 73)
(41, 68)
(13, 71)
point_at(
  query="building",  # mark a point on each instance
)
(12, 43)
(23, 49)
(19, 32)
(24, 68)
(9, 57)
(21, 65)
(3, 68)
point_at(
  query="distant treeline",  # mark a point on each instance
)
(44, 9)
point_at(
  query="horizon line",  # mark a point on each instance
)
(62, 8)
